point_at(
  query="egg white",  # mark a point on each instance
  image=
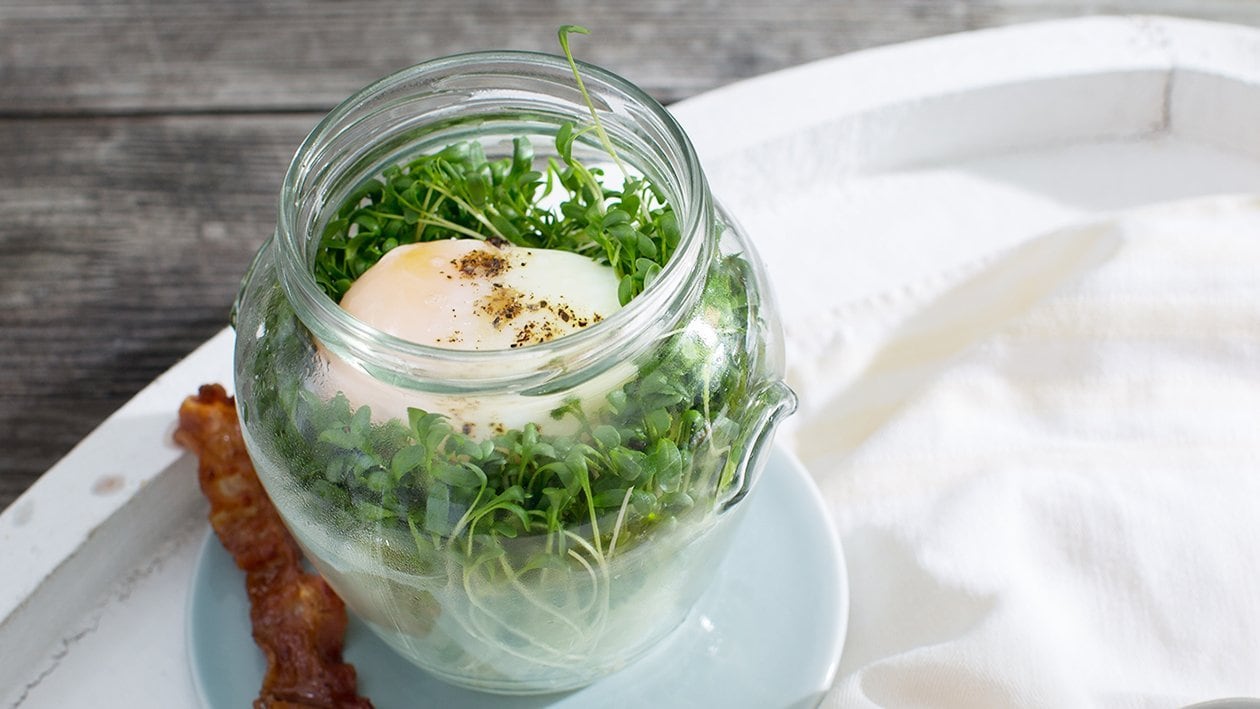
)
(466, 294)
(471, 295)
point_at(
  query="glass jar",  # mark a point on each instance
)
(560, 542)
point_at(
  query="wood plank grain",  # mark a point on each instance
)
(124, 242)
(91, 56)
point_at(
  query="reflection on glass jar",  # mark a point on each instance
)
(527, 518)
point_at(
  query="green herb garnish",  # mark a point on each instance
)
(514, 512)
(663, 442)
(460, 193)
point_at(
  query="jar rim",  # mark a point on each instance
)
(347, 335)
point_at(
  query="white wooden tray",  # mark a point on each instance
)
(913, 159)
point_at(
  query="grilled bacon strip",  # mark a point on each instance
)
(299, 623)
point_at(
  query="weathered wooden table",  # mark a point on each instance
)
(142, 145)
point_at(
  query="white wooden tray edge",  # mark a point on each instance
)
(101, 511)
(800, 99)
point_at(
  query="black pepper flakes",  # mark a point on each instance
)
(481, 264)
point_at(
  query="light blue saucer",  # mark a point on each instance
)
(767, 635)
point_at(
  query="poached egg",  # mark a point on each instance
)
(466, 294)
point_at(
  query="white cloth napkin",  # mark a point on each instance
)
(1046, 471)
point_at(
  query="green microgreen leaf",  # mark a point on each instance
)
(563, 34)
(459, 475)
(607, 436)
(407, 460)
